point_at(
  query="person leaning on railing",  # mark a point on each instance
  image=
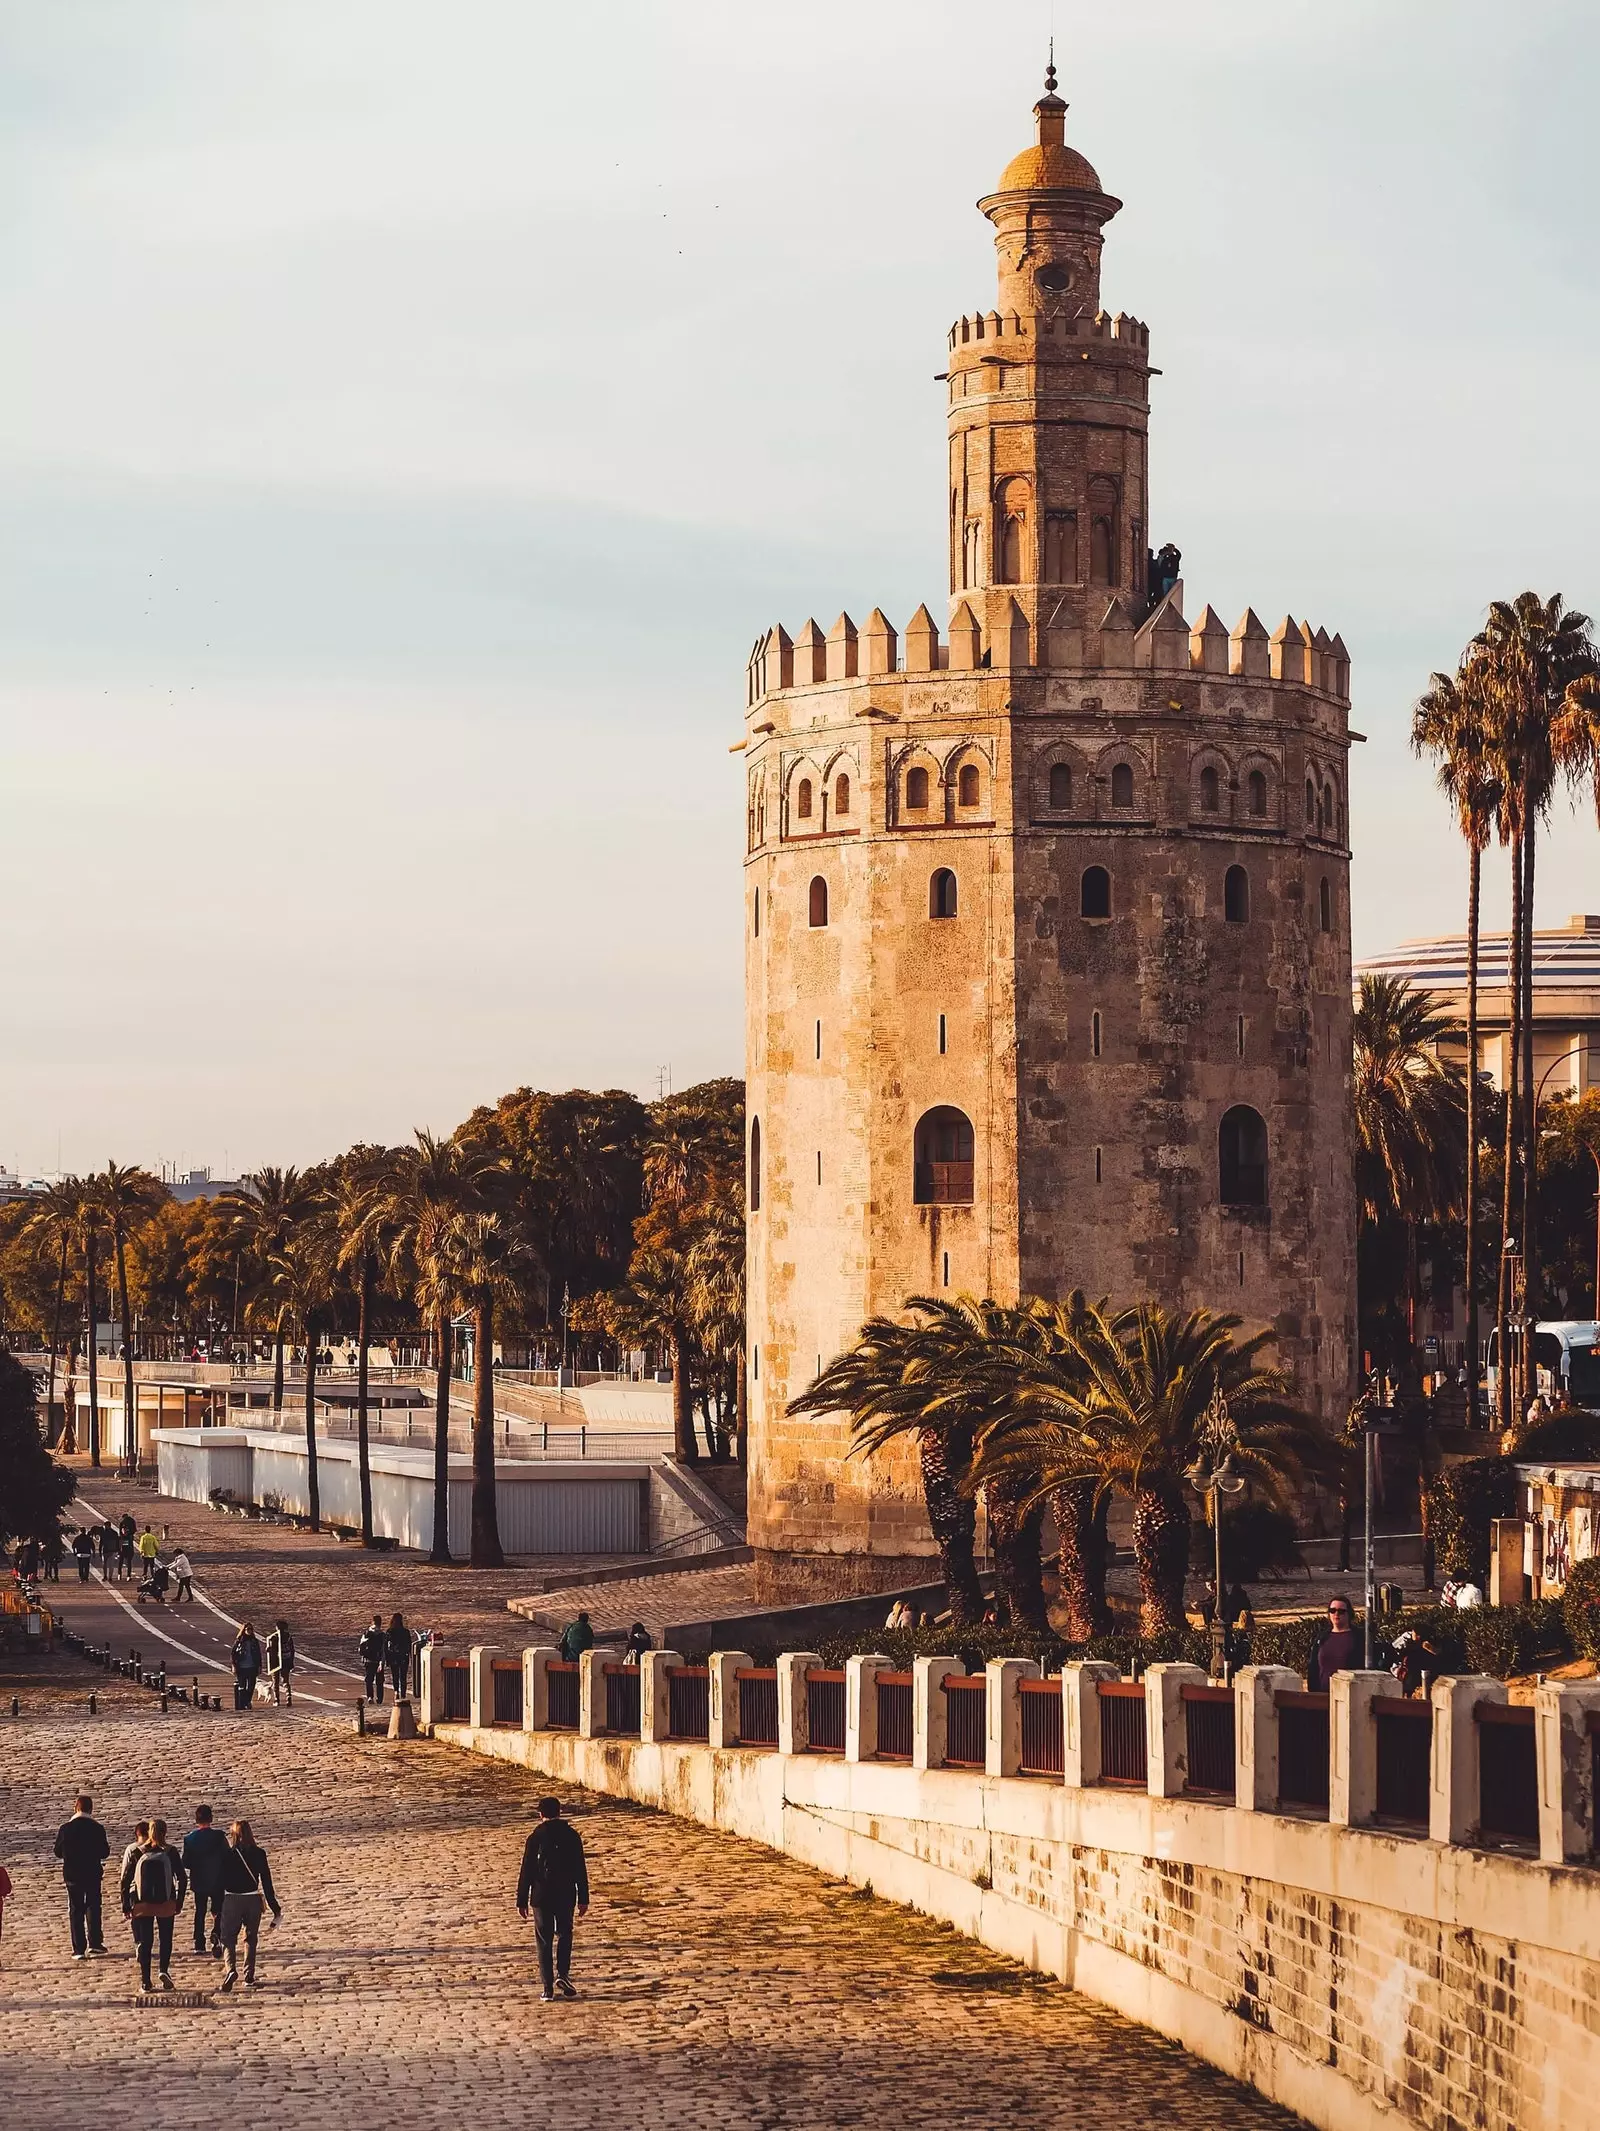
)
(1340, 1649)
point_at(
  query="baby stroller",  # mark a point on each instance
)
(156, 1579)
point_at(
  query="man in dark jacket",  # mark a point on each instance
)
(370, 1651)
(204, 1848)
(554, 1882)
(83, 1849)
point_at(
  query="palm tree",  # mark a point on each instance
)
(51, 1224)
(354, 1198)
(489, 1248)
(1534, 651)
(87, 1220)
(129, 1196)
(655, 1307)
(1410, 1116)
(261, 1216)
(716, 1269)
(1453, 721)
(302, 1277)
(420, 1200)
(896, 1380)
(1120, 1403)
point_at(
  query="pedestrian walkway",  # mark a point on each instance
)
(722, 1986)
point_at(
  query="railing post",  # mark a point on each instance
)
(1562, 1740)
(430, 1690)
(592, 1690)
(794, 1712)
(1353, 1746)
(480, 1685)
(1167, 1727)
(929, 1709)
(655, 1708)
(1255, 1734)
(1080, 1719)
(1453, 1804)
(536, 1686)
(861, 1704)
(1002, 1713)
(724, 1668)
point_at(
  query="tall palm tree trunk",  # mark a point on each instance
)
(1474, 897)
(486, 1551)
(313, 1490)
(1513, 1057)
(55, 1344)
(277, 1368)
(363, 1440)
(1081, 1562)
(439, 1552)
(688, 1450)
(1161, 1551)
(94, 1343)
(130, 1424)
(1530, 1126)
(1014, 1543)
(953, 1519)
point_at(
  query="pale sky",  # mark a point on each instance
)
(409, 414)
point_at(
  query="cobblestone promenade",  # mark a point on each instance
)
(721, 1986)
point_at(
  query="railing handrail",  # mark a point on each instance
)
(957, 1682)
(1399, 1705)
(691, 1672)
(894, 1679)
(451, 1663)
(1300, 1698)
(755, 1672)
(502, 1664)
(561, 1664)
(1120, 1690)
(822, 1675)
(1051, 1684)
(1193, 1691)
(1520, 1714)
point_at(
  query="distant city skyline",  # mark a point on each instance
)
(409, 422)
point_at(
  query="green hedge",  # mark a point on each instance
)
(1463, 1500)
(1503, 1641)
(1580, 1608)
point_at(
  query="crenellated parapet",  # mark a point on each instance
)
(1293, 654)
(1122, 329)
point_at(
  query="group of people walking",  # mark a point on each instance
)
(249, 1657)
(123, 1552)
(392, 1650)
(226, 1877)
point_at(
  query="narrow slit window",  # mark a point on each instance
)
(841, 794)
(758, 914)
(802, 800)
(941, 1036)
(819, 903)
(1241, 1268)
(819, 1165)
(819, 1039)
(1241, 1035)
(1094, 1033)
(1099, 1170)
(947, 1268)
(1326, 900)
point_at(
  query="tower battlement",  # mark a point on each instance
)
(996, 325)
(1292, 656)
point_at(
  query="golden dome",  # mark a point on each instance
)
(1049, 166)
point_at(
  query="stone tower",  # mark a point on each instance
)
(1046, 921)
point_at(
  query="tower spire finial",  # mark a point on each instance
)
(1050, 71)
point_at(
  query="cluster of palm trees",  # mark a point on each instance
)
(1060, 1406)
(1520, 714)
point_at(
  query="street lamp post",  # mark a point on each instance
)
(1212, 1474)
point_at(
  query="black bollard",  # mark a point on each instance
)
(16, 1705)
(163, 1701)
(94, 1709)
(361, 1716)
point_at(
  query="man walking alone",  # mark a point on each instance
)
(370, 1651)
(554, 1882)
(83, 1849)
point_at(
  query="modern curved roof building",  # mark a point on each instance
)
(1566, 998)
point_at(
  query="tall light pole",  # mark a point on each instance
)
(1212, 1474)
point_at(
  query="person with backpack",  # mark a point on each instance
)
(576, 1637)
(246, 1889)
(245, 1658)
(280, 1661)
(110, 1551)
(83, 1554)
(370, 1651)
(397, 1647)
(554, 1883)
(82, 1847)
(204, 1848)
(153, 1887)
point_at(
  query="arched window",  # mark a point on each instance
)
(967, 785)
(1326, 900)
(1061, 786)
(942, 1159)
(1060, 548)
(1258, 794)
(1011, 532)
(819, 901)
(755, 1165)
(841, 794)
(1242, 1157)
(802, 800)
(1100, 546)
(942, 894)
(1330, 810)
(1311, 801)
(1210, 791)
(1236, 896)
(1122, 785)
(1096, 893)
(917, 790)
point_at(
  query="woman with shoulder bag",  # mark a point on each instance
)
(246, 1888)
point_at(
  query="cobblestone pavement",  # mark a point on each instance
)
(721, 1986)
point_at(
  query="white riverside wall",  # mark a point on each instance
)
(1361, 1979)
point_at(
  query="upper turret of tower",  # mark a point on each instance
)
(1048, 214)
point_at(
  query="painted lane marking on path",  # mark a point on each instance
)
(148, 1627)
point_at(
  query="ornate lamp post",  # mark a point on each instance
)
(1212, 1473)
